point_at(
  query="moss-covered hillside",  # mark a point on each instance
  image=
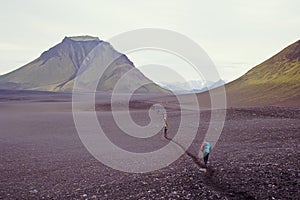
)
(273, 82)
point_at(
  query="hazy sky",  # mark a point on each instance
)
(236, 34)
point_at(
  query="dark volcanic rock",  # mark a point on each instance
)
(42, 157)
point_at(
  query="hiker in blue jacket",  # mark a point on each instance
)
(205, 148)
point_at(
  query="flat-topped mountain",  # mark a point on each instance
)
(57, 68)
(83, 38)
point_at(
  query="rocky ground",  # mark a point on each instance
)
(42, 157)
(258, 154)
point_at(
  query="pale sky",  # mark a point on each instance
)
(237, 35)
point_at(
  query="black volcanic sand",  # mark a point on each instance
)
(42, 157)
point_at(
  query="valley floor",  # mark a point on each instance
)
(42, 157)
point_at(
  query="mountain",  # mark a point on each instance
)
(276, 82)
(57, 68)
(182, 87)
(192, 86)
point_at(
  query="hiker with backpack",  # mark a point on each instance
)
(165, 125)
(205, 148)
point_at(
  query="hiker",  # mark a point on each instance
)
(205, 148)
(165, 125)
